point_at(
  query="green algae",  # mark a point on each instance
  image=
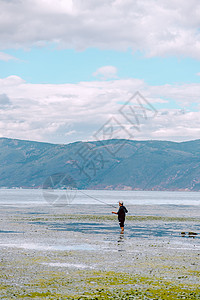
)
(111, 285)
(101, 285)
(108, 218)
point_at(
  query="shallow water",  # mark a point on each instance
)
(45, 247)
(31, 206)
(40, 197)
(67, 265)
(52, 244)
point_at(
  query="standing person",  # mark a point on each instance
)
(121, 215)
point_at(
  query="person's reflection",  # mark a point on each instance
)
(121, 238)
(120, 243)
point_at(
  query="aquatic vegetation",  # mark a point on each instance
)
(102, 285)
(104, 218)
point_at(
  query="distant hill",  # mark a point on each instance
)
(111, 164)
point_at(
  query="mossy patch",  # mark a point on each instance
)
(109, 218)
(100, 285)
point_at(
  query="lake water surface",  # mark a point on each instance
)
(33, 197)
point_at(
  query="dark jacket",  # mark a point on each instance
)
(122, 213)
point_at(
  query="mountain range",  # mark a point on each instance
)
(112, 164)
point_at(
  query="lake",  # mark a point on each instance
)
(33, 197)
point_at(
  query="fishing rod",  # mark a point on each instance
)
(97, 199)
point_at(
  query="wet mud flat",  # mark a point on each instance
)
(77, 252)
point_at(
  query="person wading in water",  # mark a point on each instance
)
(121, 215)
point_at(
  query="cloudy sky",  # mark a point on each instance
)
(83, 70)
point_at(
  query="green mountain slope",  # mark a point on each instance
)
(111, 164)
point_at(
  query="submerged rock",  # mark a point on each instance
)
(192, 233)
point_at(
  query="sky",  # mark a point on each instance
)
(74, 70)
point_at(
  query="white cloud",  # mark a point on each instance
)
(11, 80)
(198, 74)
(106, 72)
(184, 94)
(69, 112)
(4, 101)
(155, 27)
(6, 57)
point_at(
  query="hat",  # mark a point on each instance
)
(121, 202)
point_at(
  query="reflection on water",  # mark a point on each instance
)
(121, 238)
(120, 243)
(57, 247)
(140, 229)
(10, 231)
(68, 265)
